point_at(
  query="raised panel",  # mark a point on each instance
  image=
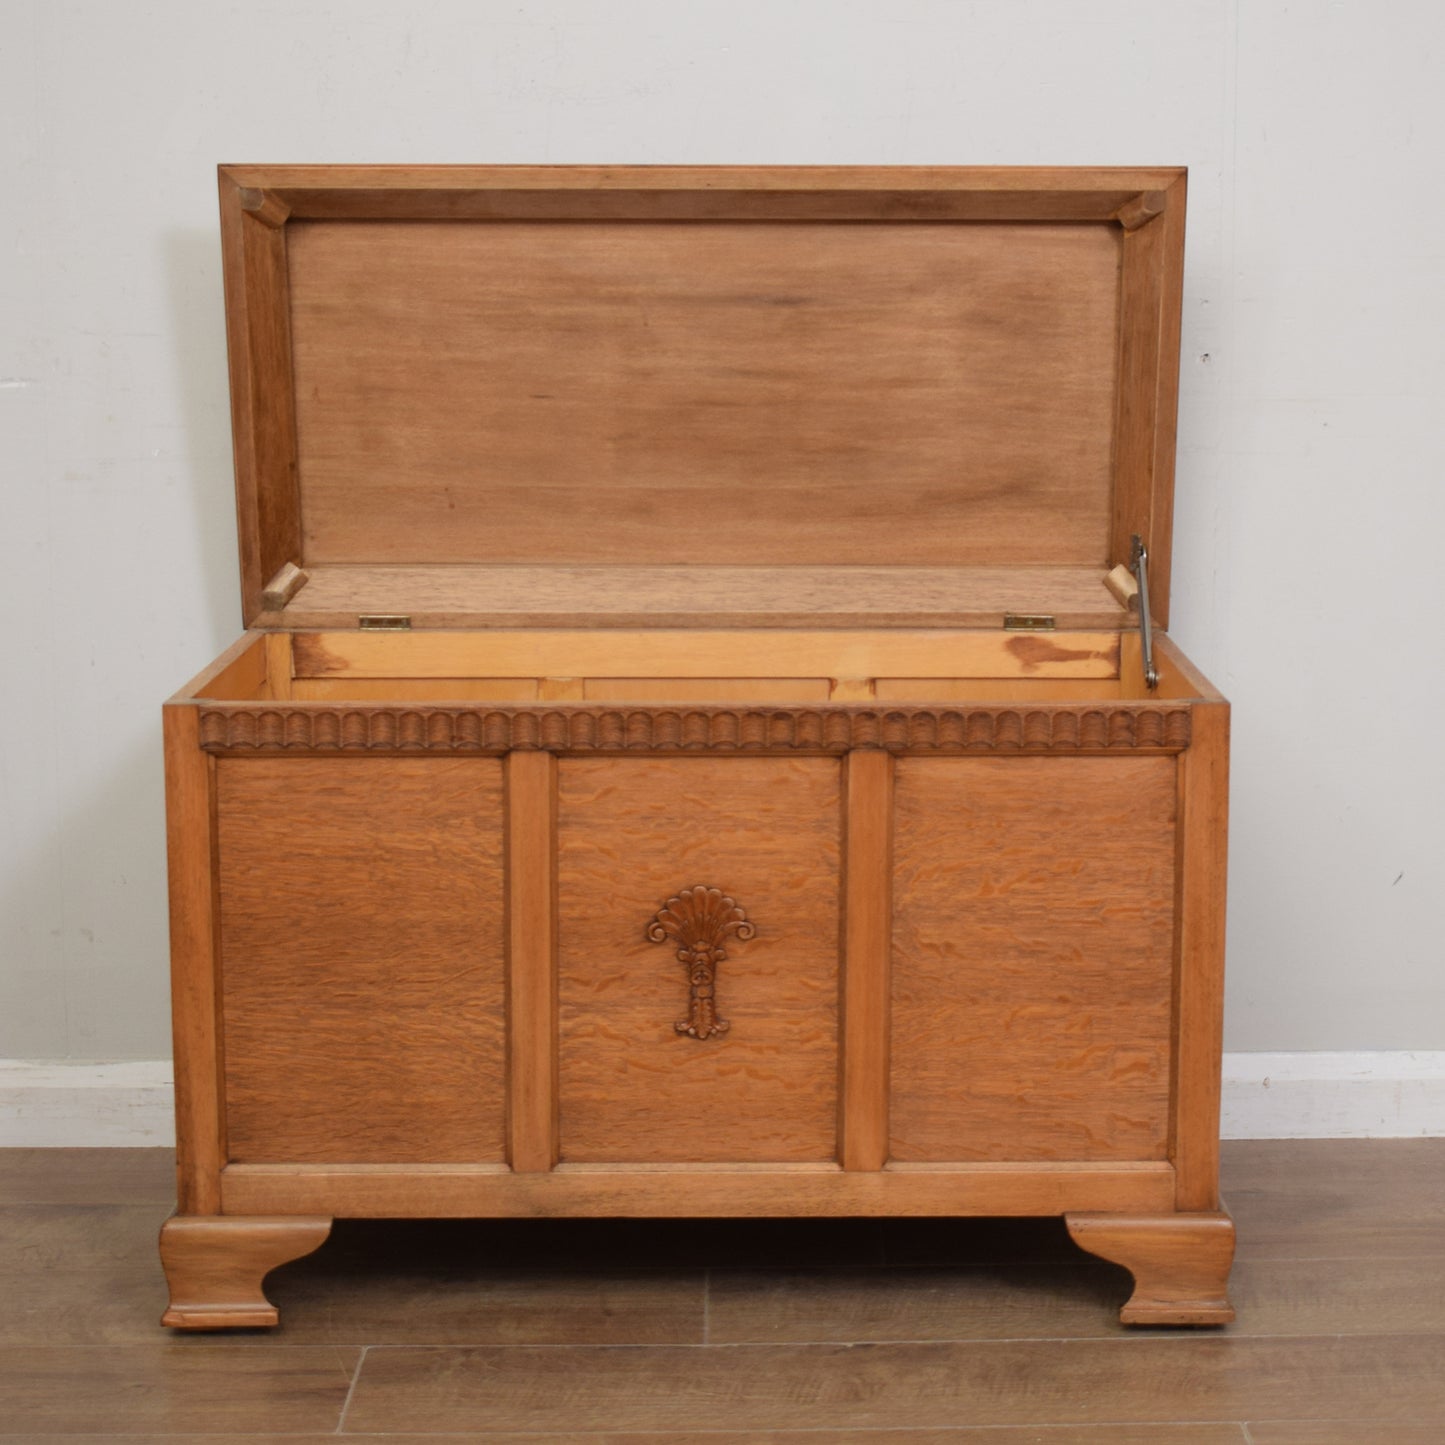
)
(362, 959)
(634, 833)
(1032, 958)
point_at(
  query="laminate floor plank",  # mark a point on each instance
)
(776, 1387)
(858, 1332)
(79, 1236)
(1354, 1296)
(378, 1305)
(1071, 1298)
(1062, 1435)
(101, 1306)
(128, 1390)
(1343, 1432)
(491, 1307)
(87, 1176)
(1333, 1198)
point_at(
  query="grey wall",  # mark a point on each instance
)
(1309, 493)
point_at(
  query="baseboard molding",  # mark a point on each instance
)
(1386, 1095)
(76, 1106)
(1394, 1094)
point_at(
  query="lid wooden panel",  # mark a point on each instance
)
(657, 367)
(639, 392)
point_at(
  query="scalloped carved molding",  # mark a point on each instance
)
(1064, 729)
(700, 920)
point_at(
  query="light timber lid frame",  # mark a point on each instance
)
(674, 396)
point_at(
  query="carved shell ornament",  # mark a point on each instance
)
(700, 920)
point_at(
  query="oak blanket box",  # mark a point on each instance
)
(707, 740)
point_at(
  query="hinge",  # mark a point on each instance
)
(384, 622)
(1028, 622)
(1139, 565)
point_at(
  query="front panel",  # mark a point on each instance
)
(1032, 958)
(635, 833)
(362, 959)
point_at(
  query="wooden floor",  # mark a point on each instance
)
(850, 1331)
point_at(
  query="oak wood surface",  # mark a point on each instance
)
(362, 938)
(282, 587)
(1180, 1263)
(1203, 779)
(1151, 285)
(1106, 188)
(195, 981)
(663, 1189)
(378, 250)
(510, 393)
(699, 594)
(263, 397)
(531, 803)
(240, 671)
(279, 681)
(1032, 958)
(670, 690)
(867, 933)
(215, 1267)
(679, 653)
(632, 833)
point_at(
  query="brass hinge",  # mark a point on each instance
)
(384, 622)
(1028, 622)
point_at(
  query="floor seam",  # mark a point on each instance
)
(350, 1390)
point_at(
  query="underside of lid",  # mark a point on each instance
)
(538, 396)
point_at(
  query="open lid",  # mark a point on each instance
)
(523, 396)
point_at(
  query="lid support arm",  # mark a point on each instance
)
(1139, 565)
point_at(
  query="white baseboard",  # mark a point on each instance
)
(1387, 1095)
(74, 1106)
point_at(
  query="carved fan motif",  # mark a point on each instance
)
(700, 920)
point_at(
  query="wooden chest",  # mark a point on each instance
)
(698, 750)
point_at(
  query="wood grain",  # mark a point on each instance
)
(1199, 1027)
(1203, 1379)
(673, 690)
(1033, 958)
(699, 594)
(1180, 1263)
(195, 963)
(362, 938)
(215, 1267)
(263, 400)
(632, 833)
(514, 393)
(988, 729)
(238, 673)
(278, 666)
(166, 1392)
(724, 652)
(665, 1190)
(867, 933)
(755, 192)
(531, 960)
